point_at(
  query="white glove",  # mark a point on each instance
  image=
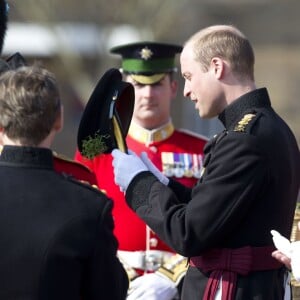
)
(126, 167)
(152, 287)
(153, 169)
(295, 259)
(281, 243)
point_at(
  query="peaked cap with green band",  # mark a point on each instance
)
(147, 62)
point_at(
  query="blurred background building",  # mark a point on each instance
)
(72, 39)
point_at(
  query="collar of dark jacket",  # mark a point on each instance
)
(247, 103)
(27, 156)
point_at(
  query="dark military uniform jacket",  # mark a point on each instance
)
(55, 232)
(249, 186)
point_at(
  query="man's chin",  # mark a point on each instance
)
(148, 116)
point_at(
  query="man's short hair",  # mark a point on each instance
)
(29, 104)
(228, 43)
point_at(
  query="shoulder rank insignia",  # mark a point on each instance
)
(241, 125)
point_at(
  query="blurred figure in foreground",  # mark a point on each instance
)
(57, 233)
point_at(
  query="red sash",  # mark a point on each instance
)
(227, 263)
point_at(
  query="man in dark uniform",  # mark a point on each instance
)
(249, 183)
(151, 68)
(56, 233)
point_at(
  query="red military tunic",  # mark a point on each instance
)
(178, 153)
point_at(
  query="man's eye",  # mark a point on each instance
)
(187, 77)
(138, 84)
(157, 83)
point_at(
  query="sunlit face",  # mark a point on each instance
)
(153, 102)
(202, 87)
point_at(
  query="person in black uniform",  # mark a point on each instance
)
(56, 233)
(249, 182)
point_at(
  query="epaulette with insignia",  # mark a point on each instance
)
(242, 124)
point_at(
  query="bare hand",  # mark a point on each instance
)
(282, 258)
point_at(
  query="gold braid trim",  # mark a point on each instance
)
(174, 268)
(241, 125)
(118, 135)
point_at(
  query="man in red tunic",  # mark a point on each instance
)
(150, 68)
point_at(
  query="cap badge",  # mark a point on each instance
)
(146, 53)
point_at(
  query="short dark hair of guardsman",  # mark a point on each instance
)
(3, 21)
(29, 104)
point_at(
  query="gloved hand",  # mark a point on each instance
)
(281, 243)
(126, 167)
(152, 287)
(153, 169)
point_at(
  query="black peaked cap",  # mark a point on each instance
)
(111, 99)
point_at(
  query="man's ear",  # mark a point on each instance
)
(59, 122)
(218, 67)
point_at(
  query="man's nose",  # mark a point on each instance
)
(148, 90)
(186, 90)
